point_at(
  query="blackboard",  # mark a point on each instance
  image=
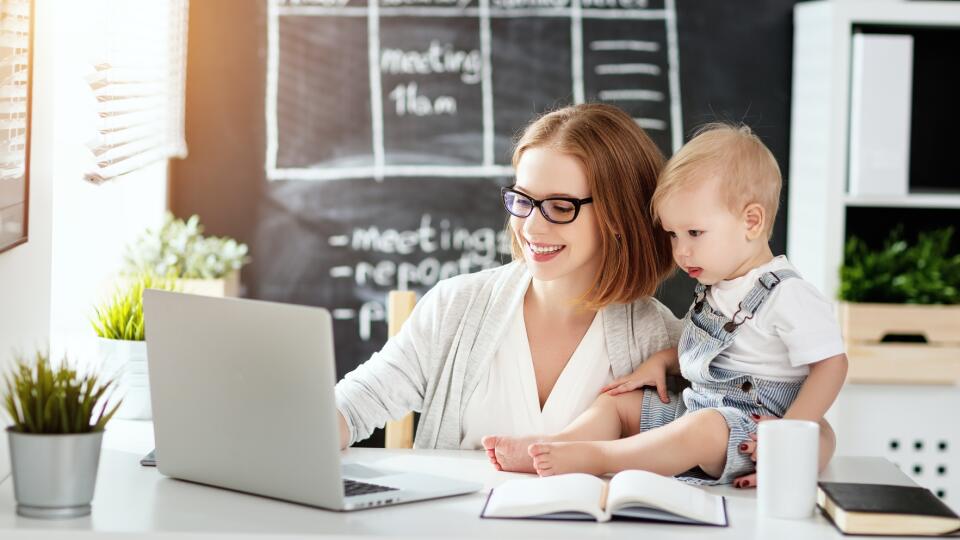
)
(343, 198)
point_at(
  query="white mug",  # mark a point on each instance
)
(787, 457)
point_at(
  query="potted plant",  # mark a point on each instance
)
(203, 264)
(58, 421)
(123, 351)
(900, 309)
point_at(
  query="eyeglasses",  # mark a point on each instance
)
(559, 210)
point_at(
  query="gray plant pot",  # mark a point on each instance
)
(54, 475)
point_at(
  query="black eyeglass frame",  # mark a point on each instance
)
(577, 203)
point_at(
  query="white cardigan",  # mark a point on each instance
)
(435, 362)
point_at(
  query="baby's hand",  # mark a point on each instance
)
(652, 372)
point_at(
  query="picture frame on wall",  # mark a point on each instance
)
(16, 55)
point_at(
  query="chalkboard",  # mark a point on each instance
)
(431, 88)
(359, 148)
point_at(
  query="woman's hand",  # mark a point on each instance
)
(652, 372)
(750, 447)
(828, 444)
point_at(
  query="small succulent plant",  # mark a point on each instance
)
(41, 398)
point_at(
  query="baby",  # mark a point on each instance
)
(758, 340)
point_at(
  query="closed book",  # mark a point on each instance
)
(886, 510)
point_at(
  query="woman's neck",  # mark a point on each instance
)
(559, 299)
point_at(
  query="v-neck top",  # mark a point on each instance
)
(506, 401)
(447, 345)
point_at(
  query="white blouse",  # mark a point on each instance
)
(506, 401)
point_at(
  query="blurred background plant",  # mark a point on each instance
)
(180, 250)
(40, 398)
(902, 273)
(121, 317)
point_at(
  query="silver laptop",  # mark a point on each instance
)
(242, 396)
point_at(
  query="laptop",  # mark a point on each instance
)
(242, 397)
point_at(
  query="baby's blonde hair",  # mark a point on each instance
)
(747, 170)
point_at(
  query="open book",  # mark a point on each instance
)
(629, 494)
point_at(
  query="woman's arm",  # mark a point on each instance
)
(393, 381)
(344, 431)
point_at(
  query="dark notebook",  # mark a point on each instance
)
(886, 510)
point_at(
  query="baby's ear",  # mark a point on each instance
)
(754, 221)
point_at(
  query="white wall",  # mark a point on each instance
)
(91, 223)
(25, 270)
(77, 230)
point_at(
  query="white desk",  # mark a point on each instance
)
(135, 501)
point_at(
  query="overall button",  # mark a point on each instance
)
(746, 386)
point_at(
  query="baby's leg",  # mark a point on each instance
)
(609, 417)
(696, 439)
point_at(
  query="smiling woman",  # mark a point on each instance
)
(598, 151)
(526, 347)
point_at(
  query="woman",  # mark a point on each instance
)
(526, 347)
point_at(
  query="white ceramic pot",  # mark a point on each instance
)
(127, 362)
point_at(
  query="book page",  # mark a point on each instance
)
(641, 488)
(540, 496)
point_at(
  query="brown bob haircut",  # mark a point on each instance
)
(621, 164)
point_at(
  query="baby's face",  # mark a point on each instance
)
(709, 240)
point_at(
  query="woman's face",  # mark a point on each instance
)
(553, 251)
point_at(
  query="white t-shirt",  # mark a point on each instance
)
(796, 326)
(506, 401)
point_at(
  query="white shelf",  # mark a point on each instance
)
(916, 200)
(820, 128)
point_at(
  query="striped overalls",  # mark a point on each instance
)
(706, 335)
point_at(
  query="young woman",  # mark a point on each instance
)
(526, 347)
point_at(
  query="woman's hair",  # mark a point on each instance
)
(747, 170)
(621, 165)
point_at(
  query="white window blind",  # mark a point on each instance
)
(138, 78)
(14, 44)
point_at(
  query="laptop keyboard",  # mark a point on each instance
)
(352, 488)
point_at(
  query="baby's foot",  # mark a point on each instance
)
(510, 453)
(567, 457)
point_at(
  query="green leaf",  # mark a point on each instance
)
(900, 272)
(41, 398)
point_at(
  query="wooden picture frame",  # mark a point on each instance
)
(16, 80)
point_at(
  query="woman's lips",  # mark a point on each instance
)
(543, 257)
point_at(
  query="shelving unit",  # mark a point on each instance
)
(820, 127)
(914, 200)
(908, 423)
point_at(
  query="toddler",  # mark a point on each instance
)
(758, 340)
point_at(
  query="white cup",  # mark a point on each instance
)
(787, 456)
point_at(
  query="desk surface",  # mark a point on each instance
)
(135, 501)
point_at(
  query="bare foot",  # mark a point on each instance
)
(567, 457)
(510, 453)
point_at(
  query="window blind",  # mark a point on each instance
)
(14, 44)
(138, 79)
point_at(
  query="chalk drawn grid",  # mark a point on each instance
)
(374, 13)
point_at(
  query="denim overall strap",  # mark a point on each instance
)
(707, 332)
(755, 298)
